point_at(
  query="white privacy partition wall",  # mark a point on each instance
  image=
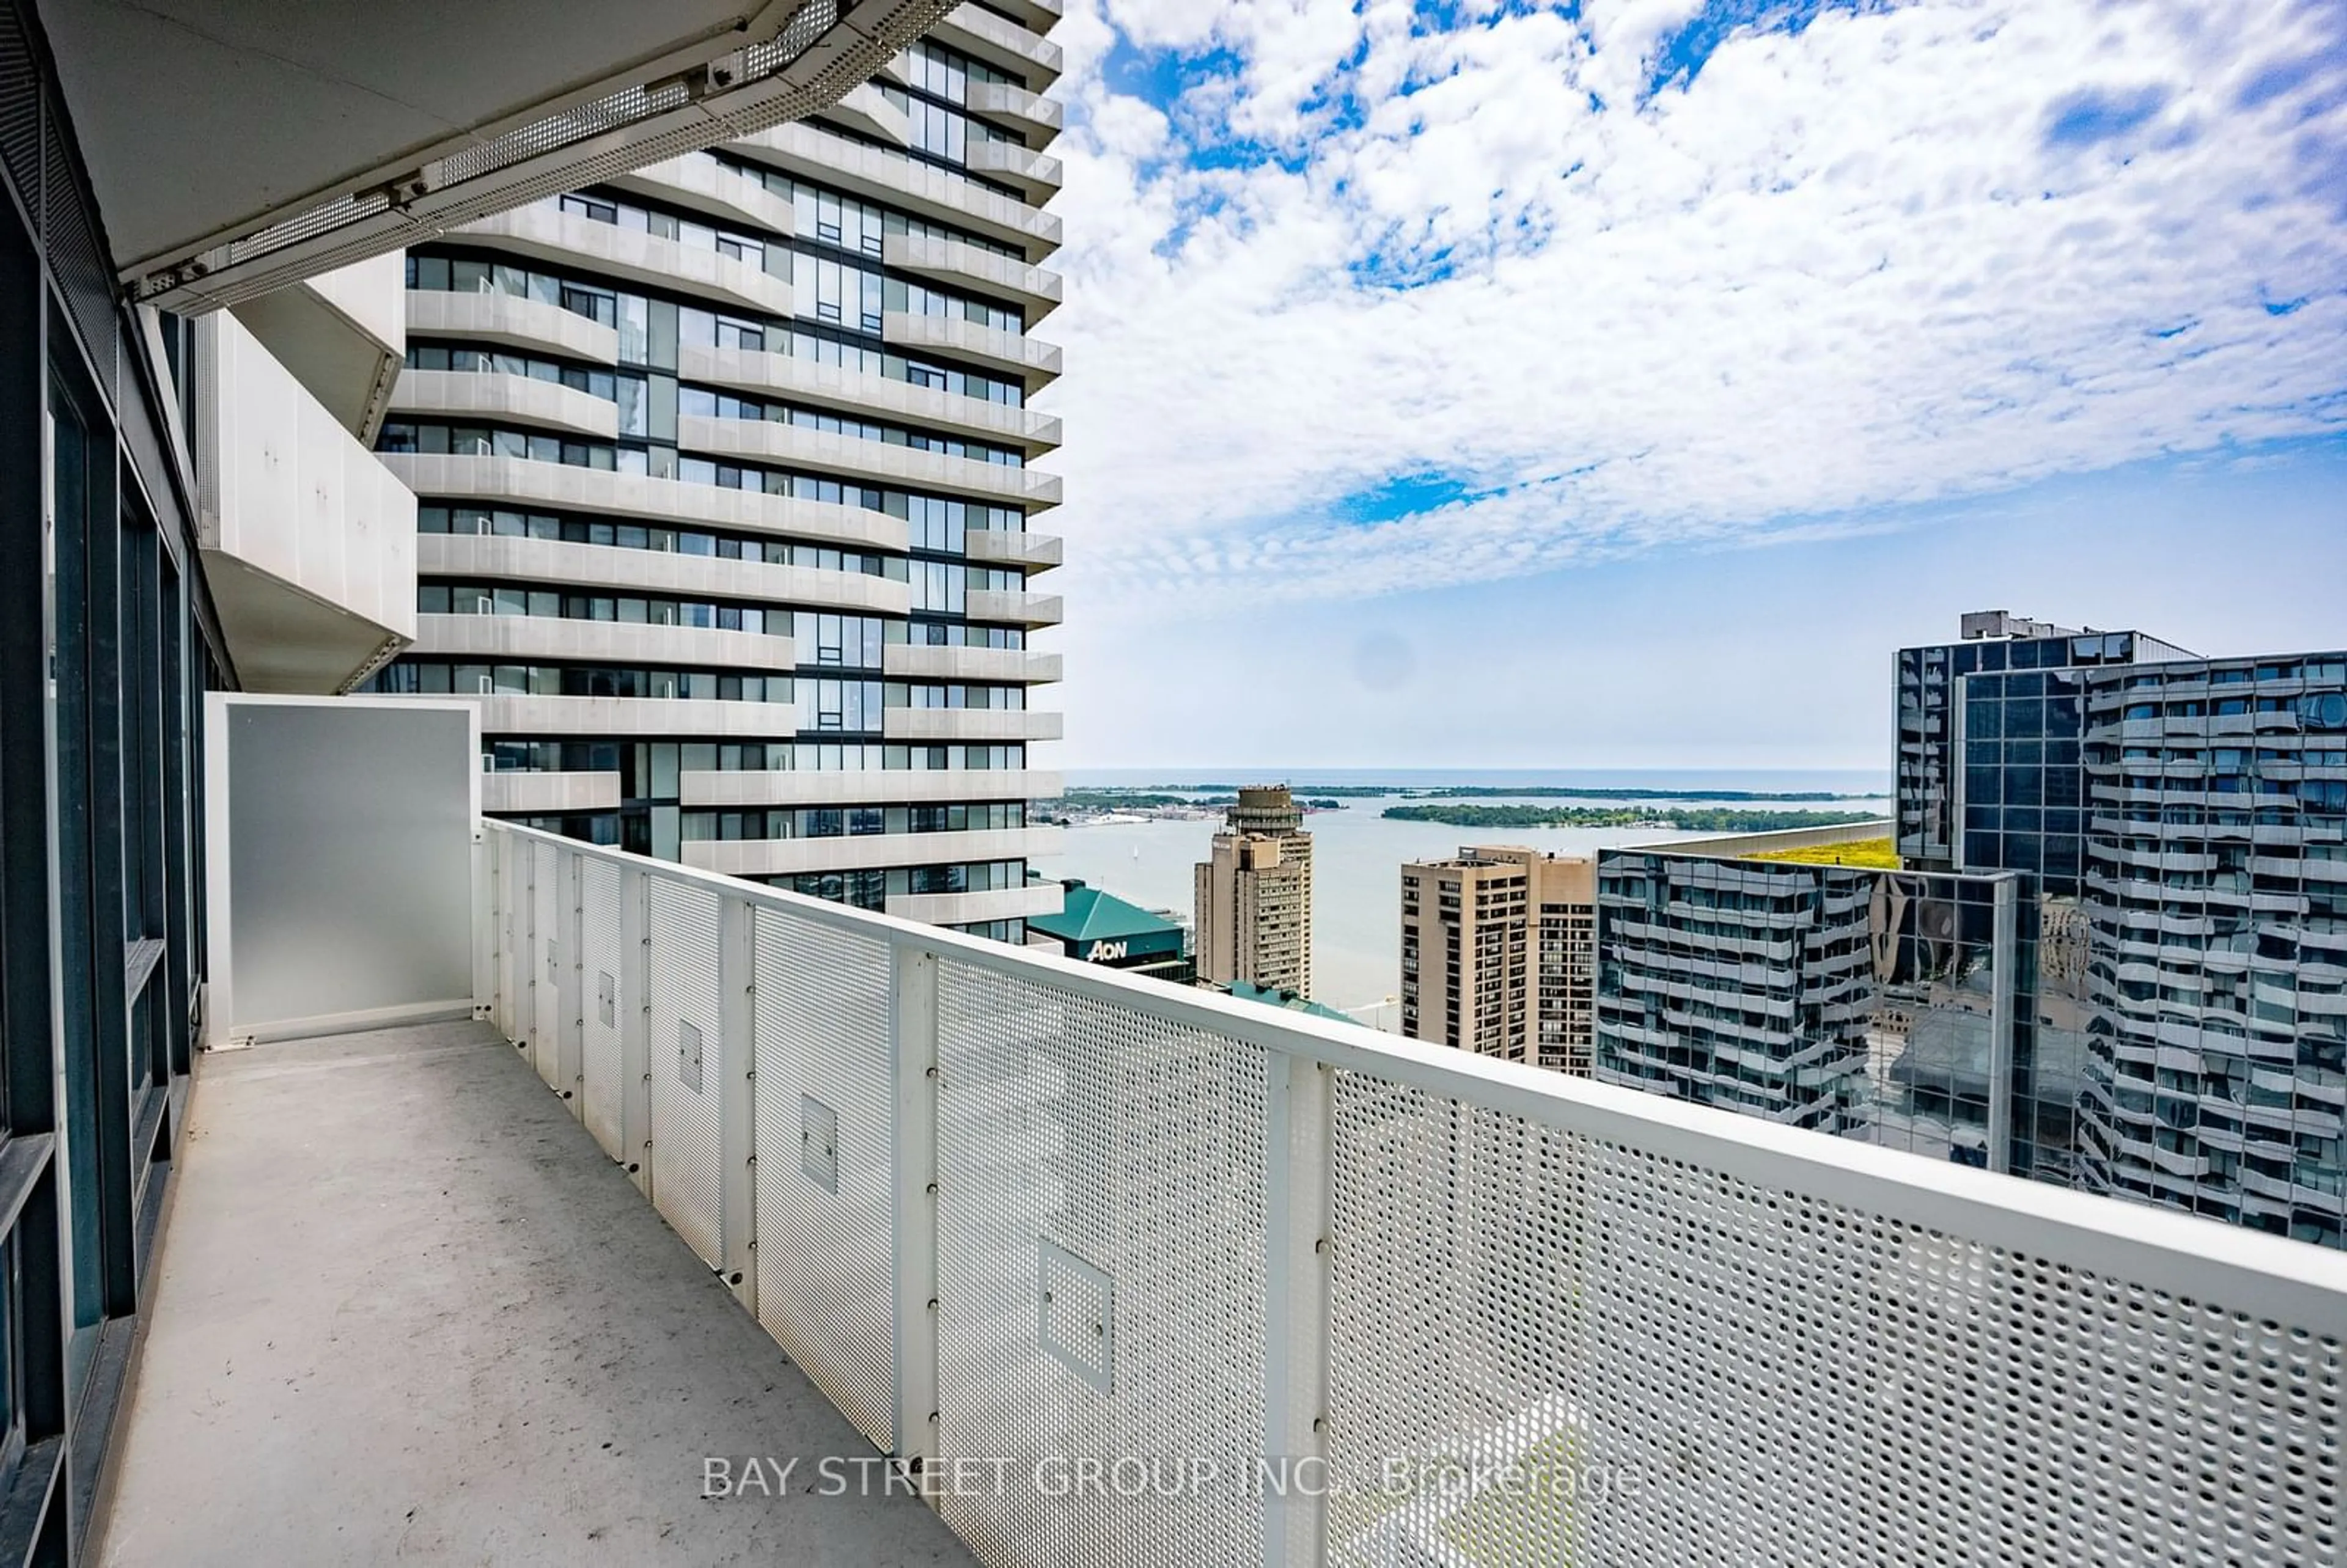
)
(1307, 1294)
(340, 840)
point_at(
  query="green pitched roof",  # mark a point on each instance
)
(1087, 915)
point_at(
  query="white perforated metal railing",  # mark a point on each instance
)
(1141, 1275)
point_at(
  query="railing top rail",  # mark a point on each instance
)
(2288, 1283)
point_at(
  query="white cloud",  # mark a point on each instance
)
(1845, 267)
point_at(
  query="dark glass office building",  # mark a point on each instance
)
(1989, 729)
(1991, 777)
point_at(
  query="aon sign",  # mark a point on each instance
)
(1104, 952)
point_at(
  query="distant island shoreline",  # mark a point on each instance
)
(1688, 819)
(1484, 792)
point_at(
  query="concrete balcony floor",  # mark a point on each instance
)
(409, 1312)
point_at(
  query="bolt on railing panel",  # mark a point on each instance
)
(826, 1138)
(686, 1064)
(1011, 1208)
(546, 961)
(1100, 1270)
(605, 996)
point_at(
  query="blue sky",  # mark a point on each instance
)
(1615, 385)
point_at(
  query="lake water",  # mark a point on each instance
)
(1358, 854)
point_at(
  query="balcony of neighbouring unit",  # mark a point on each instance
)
(1013, 607)
(1036, 118)
(703, 185)
(923, 661)
(511, 321)
(509, 638)
(342, 334)
(855, 457)
(887, 786)
(308, 542)
(786, 857)
(806, 380)
(543, 232)
(931, 725)
(530, 793)
(1007, 547)
(867, 113)
(523, 484)
(1034, 363)
(638, 718)
(509, 399)
(1038, 175)
(495, 558)
(969, 908)
(1038, 17)
(883, 175)
(1002, 44)
(1036, 290)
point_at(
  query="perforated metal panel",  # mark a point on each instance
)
(686, 1063)
(603, 995)
(1578, 1352)
(1133, 1147)
(825, 1256)
(547, 959)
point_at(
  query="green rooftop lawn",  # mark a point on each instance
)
(1875, 853)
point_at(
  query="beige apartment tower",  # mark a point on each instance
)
(1499, 955)
(1255, 896)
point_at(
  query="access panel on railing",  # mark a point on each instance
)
(1099, 1275)
(686, 1064)
(826, 1090)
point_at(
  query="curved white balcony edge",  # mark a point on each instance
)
(1014, 608)
(935, 724)
(1035, 363)
(888, 787)
(810, 153)
(492, 556)
(1039, 291)
(922, 661)
(508, 321)
(713, 190)
(534, 637)
(969, 908)
(788, 857)
(1037, 119)
(1038, 175)
(508, 398)
(1002, 44)
(855, 391)
(556, 486)
(855, 457)
(530, 795)
(1007, 547)
(544, 232)
(687, 717)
